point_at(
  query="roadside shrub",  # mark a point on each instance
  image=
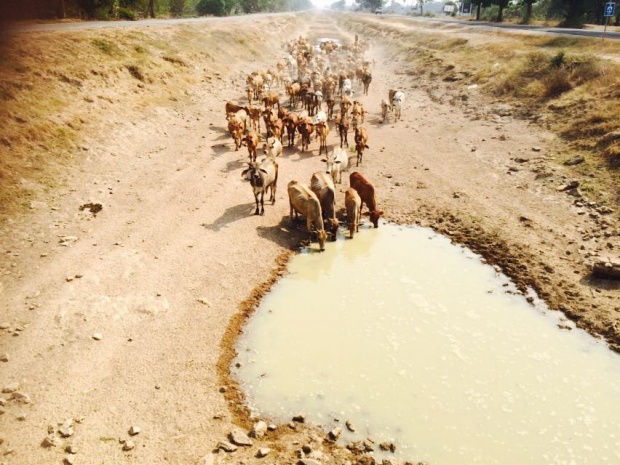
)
(104, 46)
(558, 59)
(135, 72)
(556, 83)
(126, 13)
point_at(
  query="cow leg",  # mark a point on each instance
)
(262, 202)
(256, 200)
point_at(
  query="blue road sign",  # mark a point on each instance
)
(610, 9)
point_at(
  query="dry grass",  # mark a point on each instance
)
(59, 90)
(570, 83)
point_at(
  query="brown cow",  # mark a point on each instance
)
(305, 202)
(366, 191)
(305, 128)
(271, 99)
(323, 186)
(236, 127)
(234, 107)
(342, 123)
(290, 122)
(353, 206)
(361, 143)
(322, 131)
(251, 141)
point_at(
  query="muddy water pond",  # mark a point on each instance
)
(417, 342)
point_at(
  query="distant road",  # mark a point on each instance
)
(596, 33)
(78, 25)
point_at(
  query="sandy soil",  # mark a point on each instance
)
(126, 317)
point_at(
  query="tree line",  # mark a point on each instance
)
(568, 13)
(136, 9)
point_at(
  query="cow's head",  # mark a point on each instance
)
(374, 217)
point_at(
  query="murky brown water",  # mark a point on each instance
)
(415, 341)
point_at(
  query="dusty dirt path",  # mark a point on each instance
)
(160, 271)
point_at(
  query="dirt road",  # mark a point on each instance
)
(120, 317)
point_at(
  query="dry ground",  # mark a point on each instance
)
(164, 273)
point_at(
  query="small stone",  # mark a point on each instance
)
(50, 441)
(20, 397)
(68, 460)
(226, 446)
(259, 429)
(5, 325)
(71, 449)
(204, 301)
(69, 279)
(4, 358)
(129, 445)
(263, 452)
(350, 426)
(536, 149)
(223, 389)
(238, 437)
(9, 388)
(208, 459)
(335, 433)
(2, 411)
(299, 418)
(21, 417)
(272, 427)
(66, 429)
(308, 462)
(97, 336)
(134, 430)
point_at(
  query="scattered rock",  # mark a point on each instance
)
(335, 433)
(226, 446)
(10, 388)
(575, 161)
(50, 441)
(570, 185)
(4, 358)
(259, 429)
(69, 460)
(204, 301)
(71, 449)
(263, 452)
(129, 445)
(308, 462)
(350, 426)
(134, 430)
(97, 336)
(536, 149)
(66, 429)
(239, 438)
(606, 269)
(299, 418)
(20, 397)
(209, 459)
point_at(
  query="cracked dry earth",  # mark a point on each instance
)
(123, 313)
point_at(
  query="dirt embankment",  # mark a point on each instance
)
(125, 316)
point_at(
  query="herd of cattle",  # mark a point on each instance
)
(314, 79)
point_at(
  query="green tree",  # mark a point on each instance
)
(479, 4)
(502, 4)
(574, 13)
(527, 15)
(211, 7)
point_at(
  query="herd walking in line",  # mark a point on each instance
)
(317, 84)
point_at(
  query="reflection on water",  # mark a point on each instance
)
(416, 341)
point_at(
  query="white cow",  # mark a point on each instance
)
(273, 147)
(397, 103)
(335, 163)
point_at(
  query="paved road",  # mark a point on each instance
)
(596, 33)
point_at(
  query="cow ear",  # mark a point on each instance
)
(245, 172)
(367, 147)
(323, 160)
